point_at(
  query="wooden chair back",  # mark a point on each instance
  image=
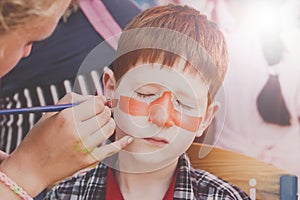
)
(258, 179)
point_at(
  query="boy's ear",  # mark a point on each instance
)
(109, 83)
(210, 114)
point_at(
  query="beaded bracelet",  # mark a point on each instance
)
(14, 187)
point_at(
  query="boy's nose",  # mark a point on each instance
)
(160, 110)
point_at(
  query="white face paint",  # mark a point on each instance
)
(147, 83)
(155, 146)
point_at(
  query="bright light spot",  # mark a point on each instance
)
(264, 17)
(267, 16)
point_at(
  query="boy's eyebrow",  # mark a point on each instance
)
(148, 85)
(183, 93)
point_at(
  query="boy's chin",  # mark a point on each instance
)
(145, 162)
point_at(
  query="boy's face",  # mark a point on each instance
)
(163, 108)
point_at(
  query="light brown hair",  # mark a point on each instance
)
(205, 36)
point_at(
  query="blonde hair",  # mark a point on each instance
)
(19, 13)
(74, 6)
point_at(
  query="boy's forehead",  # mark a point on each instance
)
(180, 67)
(179, 70)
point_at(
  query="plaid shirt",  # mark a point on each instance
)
(190, 184)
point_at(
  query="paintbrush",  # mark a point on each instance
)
(111, 103)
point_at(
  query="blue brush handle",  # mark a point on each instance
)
(38, 109)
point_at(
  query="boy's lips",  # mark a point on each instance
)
(156, 141)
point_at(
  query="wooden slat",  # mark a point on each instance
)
(238, 169)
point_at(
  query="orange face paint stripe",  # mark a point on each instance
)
(137, 108)
(187, 122)
(133, 107)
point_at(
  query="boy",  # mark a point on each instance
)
(170, 62)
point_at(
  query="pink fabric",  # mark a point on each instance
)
(101, 20)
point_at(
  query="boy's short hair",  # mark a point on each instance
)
(186, 33)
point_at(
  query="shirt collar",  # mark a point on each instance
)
(113, 190)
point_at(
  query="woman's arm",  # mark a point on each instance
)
(61, 144)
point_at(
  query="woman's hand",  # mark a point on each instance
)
(62, 143)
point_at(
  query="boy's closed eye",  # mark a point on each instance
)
(177, 102)
(151, 96)
(145, 96)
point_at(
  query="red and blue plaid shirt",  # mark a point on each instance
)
(190, 184)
